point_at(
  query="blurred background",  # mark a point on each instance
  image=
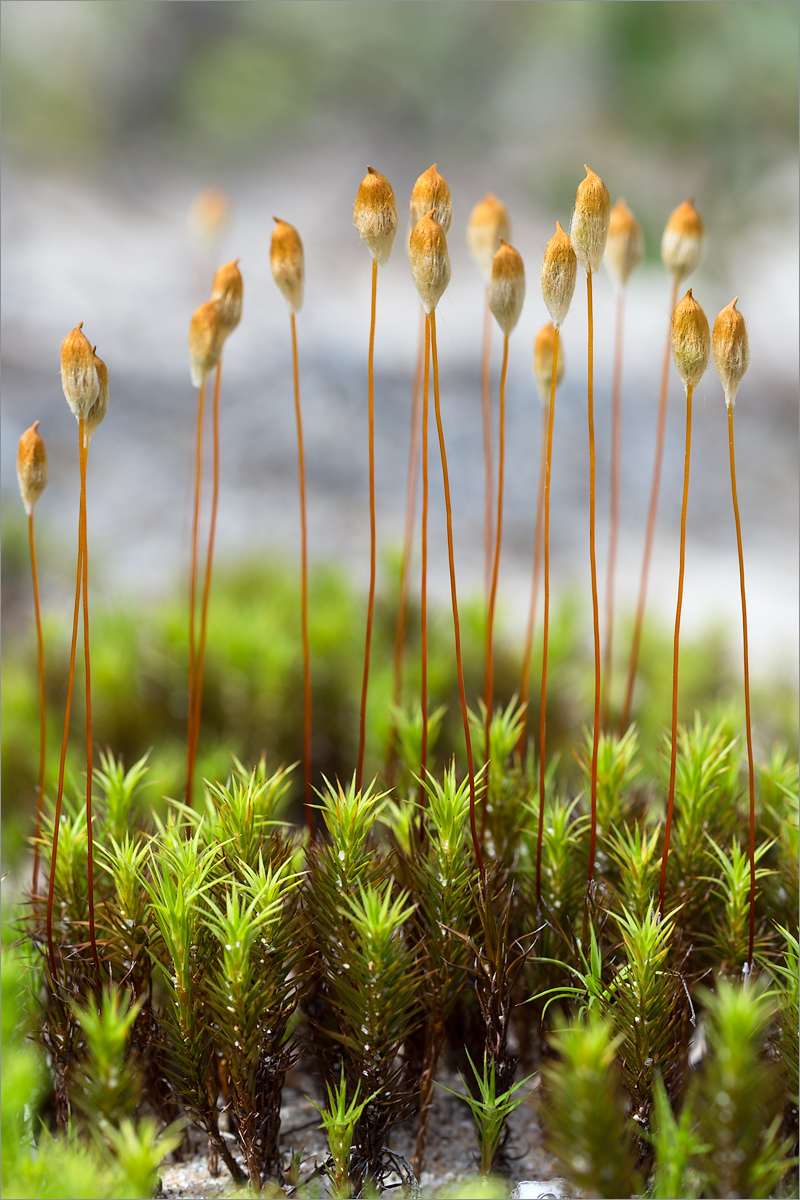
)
(115, 117)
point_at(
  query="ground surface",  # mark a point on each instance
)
(450, 1155)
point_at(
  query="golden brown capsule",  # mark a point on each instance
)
(288, 263)
(205, 341)
(431, 192)
(625, 245)
(31, 467)
(506, 291)
(731, 350)
(590, 218)
(430, 261)
(559, 273)
(488, 225)
(227, 288)
(691, 340)
(683, 241)
(543, 360)
(78, 372)
(375, 215)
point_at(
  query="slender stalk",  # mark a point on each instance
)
(63, 761)
(453, 594)
(488, 457)
(593, 563)
(613, 524)
(190, 735)
(42, 707)
(495, 573)
(83, 455)
(424, 572)
(408, 541)
(674, 753)
(651, 523)
(303, 589)
(371, 600)
(212, 530)
(546, 618)
(751, 768)
(524, 691)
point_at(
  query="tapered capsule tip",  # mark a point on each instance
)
(590, 219)
(683, 241)
(488, 224)
(288, 263)
(227, 288)
(375, 215)
(625, 245)
(205, 341)
(506, 291)
(691, 340)
(431, 192)
(430, 260)
(559, 273)
(78, 373)
(731, 349)
(31, 467)
(543, 360)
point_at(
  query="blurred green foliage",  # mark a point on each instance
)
(253, 691)
(713, 83)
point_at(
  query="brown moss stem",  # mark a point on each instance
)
(371, 599)
(63, 760)
(593, 565)
(212, 530)
(495, 574)
(546, 617)
(454, 598)
(42, 704)
(190, 735)
(408, 542)
(524, 691)
(301, 473)
(488, 457)
(750, 765)
(613, 521)
(424, 572)
(675, 649)
(651, 522)
(83, 456)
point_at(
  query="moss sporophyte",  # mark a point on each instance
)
(201, 955)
